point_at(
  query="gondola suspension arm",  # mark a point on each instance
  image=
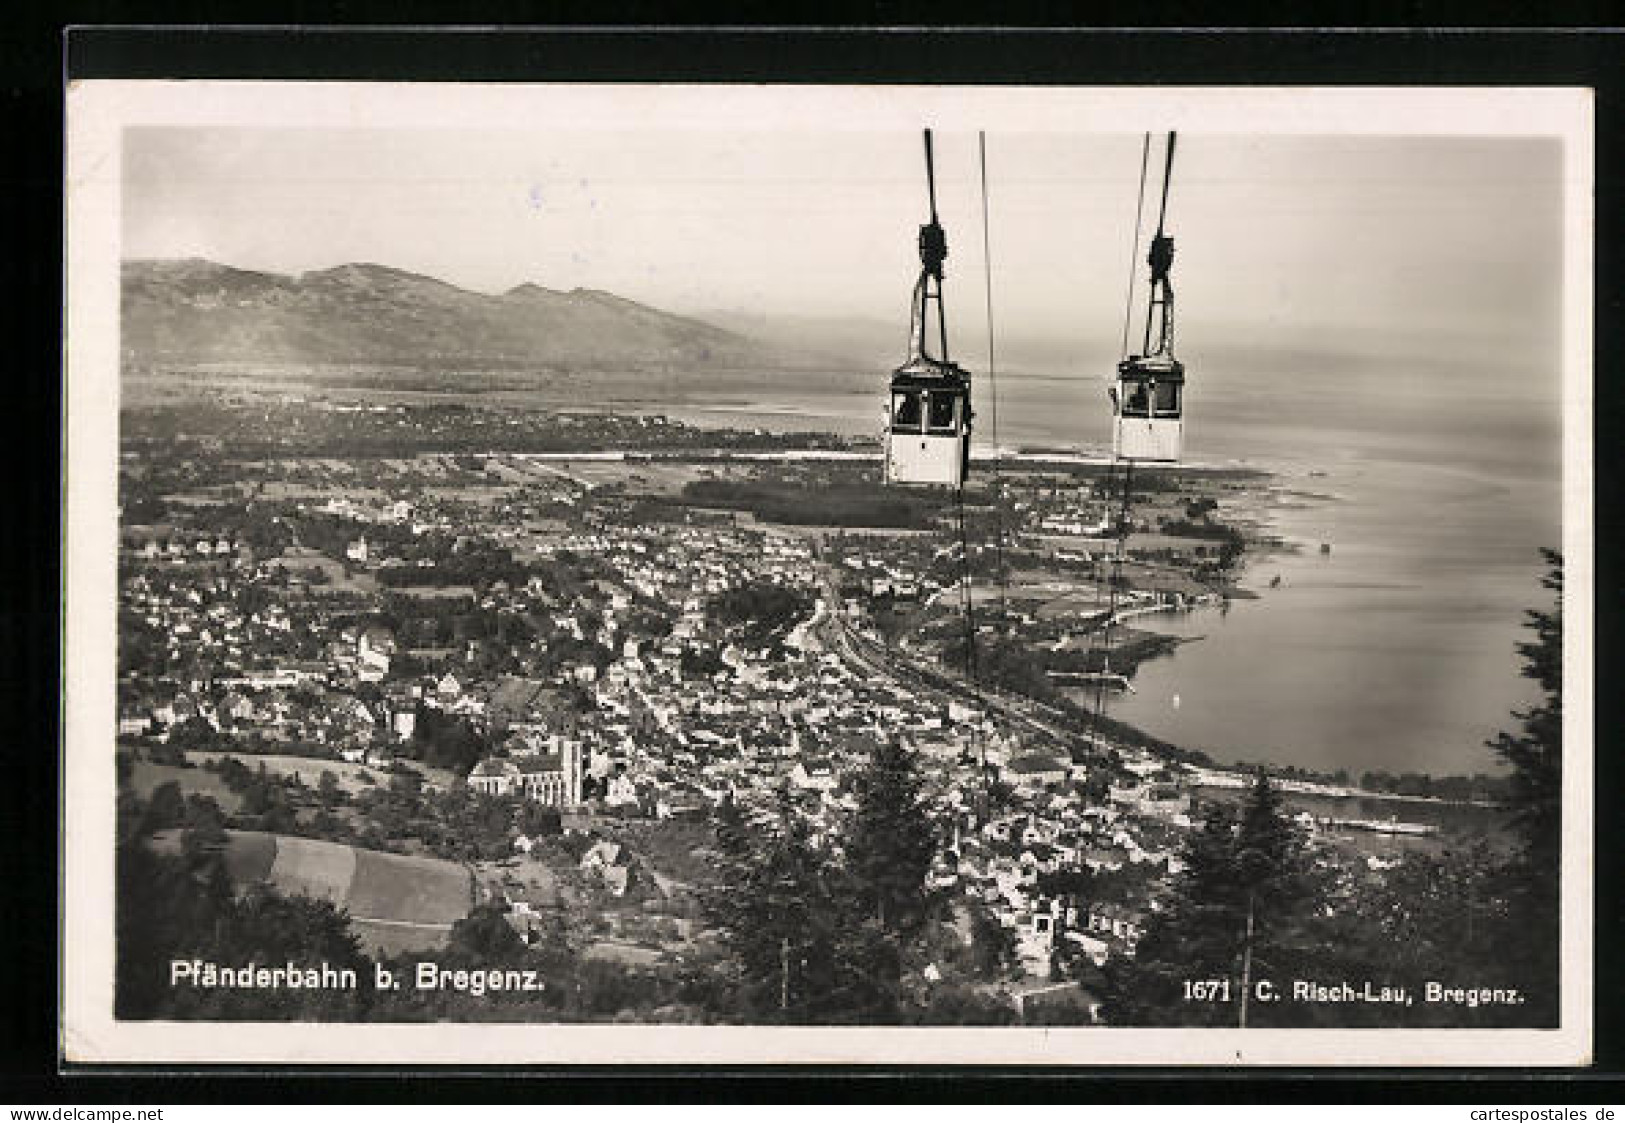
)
(1161, 260)
(933, 252)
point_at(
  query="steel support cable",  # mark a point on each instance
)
(968, 608)
(930, 178)
(1116, 581)
(1167, 178)
(993, 392)
(1124, 517)
(1134, 253)
(966, 600)
(933, 250)
(1099, 636)
(1102, 636)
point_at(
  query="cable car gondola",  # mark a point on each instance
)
(1148, 398)
(928, 414)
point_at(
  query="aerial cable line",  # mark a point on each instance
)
(1125, 524)
(933, 250)
(931, 178)
(968, 608)
(1103, 635)
(993, 390)
(1161, 259)
(966, 597)
(1160, 298)
(1167, 178)
(933, 245)
(1134, 254)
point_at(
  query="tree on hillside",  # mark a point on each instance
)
(1431, 917)
(1534, 752)
(993, 946)
(761, 612)
(328, 789)
(890, 840)
(1236, 913)
(159, 903)
(445, 740)
(182, 907)
(205, 824)
(484, 939)
(779, 915)
(1278, 879)
(539, 820)
(733, 833)
(1196, 935)
(816, 938)
(888, 845)
(166, 808)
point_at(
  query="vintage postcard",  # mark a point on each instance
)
(750, 574)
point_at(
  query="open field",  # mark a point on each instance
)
(302, 559)
(402, 887)
(396, 902)
(627, 955)
(146, 776)
(383, 937)
(310, 769)
(1083, 601)
(313, 868)
(1161, 579)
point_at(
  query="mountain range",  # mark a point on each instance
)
(193, 310)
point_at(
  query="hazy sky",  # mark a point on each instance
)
(1380, 244)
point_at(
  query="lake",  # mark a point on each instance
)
(1393, 652)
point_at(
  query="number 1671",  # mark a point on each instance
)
(1207, 990)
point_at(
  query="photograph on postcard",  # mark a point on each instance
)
(692, 560)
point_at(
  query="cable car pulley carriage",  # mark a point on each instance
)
(1148, 420)
(928, 414)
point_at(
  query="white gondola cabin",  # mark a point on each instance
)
(928, 412)
(1148, 404)
(1148, 397)
(928, 424)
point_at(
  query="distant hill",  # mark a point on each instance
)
(194, 310)
(868, 344)
(875, 344)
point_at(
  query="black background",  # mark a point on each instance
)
(41, 46)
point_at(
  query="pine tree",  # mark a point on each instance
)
(813, 939)
(1532, 937)
(1535, 754)
(1279, 886)
(1195, 935)
(778, 912)
(1236, 911)
(1430, 917)
(733, 834)
(890, 840)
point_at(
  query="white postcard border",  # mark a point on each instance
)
(99, 111)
